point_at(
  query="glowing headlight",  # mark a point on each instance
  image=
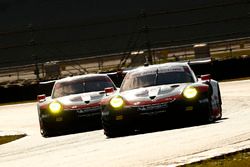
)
(55, 107)
(190, 92)
(116, 102)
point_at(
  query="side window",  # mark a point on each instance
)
(57, 91)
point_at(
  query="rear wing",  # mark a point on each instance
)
(201, 66)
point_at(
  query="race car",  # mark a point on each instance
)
(74, 102)
(165, 92)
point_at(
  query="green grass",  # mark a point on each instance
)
(237, 159)
(7, 139)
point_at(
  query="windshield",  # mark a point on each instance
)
(84, 85)
(137, 80)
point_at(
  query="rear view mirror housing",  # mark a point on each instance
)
(206, 77)
(41, 98)
(109, 90)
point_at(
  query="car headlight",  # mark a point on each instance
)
(190, 92)
(55, 107)
(116, 102)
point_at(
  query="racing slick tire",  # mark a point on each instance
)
(220, 116)
(207, 116)
(114, 131)
(109, 130)
(44, 131)
(220, 103)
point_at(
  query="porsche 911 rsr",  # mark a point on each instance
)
(167, 91)
(74, 102)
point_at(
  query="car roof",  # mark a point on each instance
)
(152, 67)
(68, 79)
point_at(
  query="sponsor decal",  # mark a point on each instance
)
(153, 107)
(203, 101)
(106, 113)
(153, 112)
(87, 110)
(119, 117)
(89, 115)
(59, 119)
(189, 108)
(171, 69)
(142, 73)
(44, 116)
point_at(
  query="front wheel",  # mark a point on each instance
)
(207, 116)
(220, 103)
(220, 114)
(43, 130)
(110, 130)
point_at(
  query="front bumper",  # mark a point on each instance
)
(70, 118)
(178, 110)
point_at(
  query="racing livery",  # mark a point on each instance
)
(74, 102)
(165, 91)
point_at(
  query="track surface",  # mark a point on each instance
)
(174, 146)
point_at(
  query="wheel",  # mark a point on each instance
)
(220, 114)
(109, 130)
(207, 116)
(210, 117)
(43, 130)
(44, 133)
(220, 103)
(115, 131)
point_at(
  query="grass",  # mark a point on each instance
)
(237, 159)
(7, 139)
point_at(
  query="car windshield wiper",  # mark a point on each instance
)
(156, 76)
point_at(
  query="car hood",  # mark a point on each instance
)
(154, 92)
(82, 99)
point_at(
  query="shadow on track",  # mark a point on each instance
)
(75, 129)
(160, 125)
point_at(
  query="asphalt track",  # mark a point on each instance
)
(160, 148)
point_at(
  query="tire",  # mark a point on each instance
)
(207, 116)
(109, 130)
(220, 103)
(220, 116)
(43, 130)
(210, 118)
(44, 133)
(115, 131)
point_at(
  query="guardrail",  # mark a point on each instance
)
(25, 75)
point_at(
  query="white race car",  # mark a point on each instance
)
(74, 102)
(162, 92)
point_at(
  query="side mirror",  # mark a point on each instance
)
(41, 97)
(206, 77)
(109, 90)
